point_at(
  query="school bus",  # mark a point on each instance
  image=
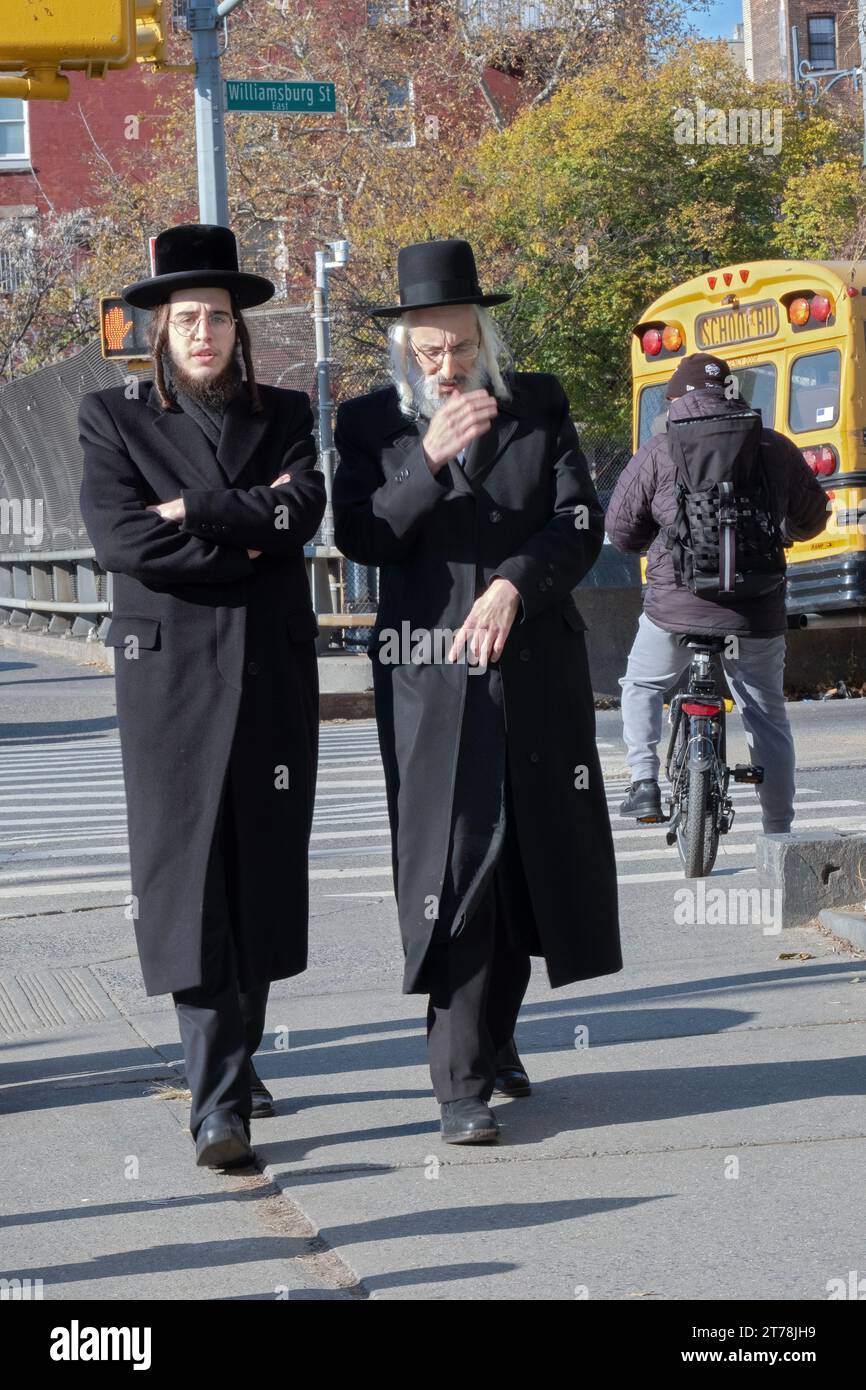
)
(794, 336)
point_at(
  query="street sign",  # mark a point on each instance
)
(280, 96)
(123, 328)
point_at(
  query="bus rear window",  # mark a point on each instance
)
(814, 397)
(652, 412)
(757, 388)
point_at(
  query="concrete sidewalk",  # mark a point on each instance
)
(708, 1143)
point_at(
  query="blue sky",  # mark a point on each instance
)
(719, 21)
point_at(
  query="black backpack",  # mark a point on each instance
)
(725, 542)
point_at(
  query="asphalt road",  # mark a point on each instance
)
(716, 1041)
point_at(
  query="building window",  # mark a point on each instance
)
(387, 12)
(822, 41)
(16, 269)
(502, 14)
(14, 144)
(396, 101)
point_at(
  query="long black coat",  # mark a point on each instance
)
(525, 508)
(212, 649)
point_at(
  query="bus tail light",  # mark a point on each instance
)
(821, 307)
(822, 459)
(651, 342)
(799, 311)
(672, 338)
(827, 460)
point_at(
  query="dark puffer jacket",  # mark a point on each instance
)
(644, 503)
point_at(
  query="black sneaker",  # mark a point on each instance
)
(643, 801)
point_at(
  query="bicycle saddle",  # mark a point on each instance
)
(706, 641)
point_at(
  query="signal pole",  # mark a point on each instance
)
(861, 29)
(203, 21)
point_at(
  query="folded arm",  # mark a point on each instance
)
(277, 520)
(129, 539)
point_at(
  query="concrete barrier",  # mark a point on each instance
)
(812, 872)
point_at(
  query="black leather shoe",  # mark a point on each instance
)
(643, 801)
(469, 1121)
(511, 1078)
(263, 1101)
(223, 1141)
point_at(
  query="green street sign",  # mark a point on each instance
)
(280, 96)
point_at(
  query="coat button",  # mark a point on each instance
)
(253, 668)
(525, 654)
(535, 758)
(549, 582)
(495, 516)
(542, 585)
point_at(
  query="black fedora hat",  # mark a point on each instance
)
(433, 273)
(197, 255)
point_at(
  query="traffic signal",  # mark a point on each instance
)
(93, 35)
(123, 328)
(150, 30)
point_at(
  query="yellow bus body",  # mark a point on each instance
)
(808, 379)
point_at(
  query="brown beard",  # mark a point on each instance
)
(214, 392)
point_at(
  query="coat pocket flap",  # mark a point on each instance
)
(145, 630)
(303, 626)
(572, 617)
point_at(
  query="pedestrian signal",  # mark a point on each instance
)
(123, 328)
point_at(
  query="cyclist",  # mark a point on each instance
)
(642, 508)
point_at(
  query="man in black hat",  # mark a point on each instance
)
(642, 515)
(464, 482)
(199, 491)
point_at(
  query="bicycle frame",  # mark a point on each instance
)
(698, 741)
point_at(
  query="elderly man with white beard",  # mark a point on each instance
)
(463, 481)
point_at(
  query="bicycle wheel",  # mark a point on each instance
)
(697, 835)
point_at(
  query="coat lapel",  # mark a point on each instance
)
(403, 433)
(485, 450)
(242, 434)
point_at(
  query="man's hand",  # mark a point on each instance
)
(489, 622)
(170, 511)
(455, 424)
(283, 478)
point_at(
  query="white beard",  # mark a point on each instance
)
(426, 393)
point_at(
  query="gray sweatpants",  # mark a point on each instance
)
(755, 676)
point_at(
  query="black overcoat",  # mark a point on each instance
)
(525, 508)
(213, 650)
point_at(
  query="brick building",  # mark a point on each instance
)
(49, 150)
(779, 33)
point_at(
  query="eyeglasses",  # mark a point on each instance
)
(466, 352)
(187, 322)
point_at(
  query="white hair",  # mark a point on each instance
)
(494, 359)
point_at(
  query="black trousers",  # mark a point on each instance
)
(478, 977)
(477, 983)
(220, 1027)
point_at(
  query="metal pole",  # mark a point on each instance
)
(322, 325)
(861, 30)
(203, 20)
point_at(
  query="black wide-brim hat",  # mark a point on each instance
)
(197, 256)
(434, 273)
